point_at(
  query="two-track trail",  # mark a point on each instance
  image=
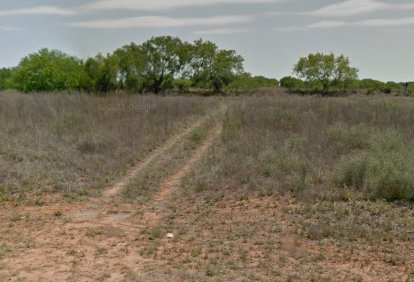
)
(98, 239)
(120, 185)
(172, 182)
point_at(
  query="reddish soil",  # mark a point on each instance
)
(107, 239)
(97, 239)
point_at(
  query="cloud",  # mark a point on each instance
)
(40, 10)
(159, 22)
(222, 31)
(371, 23)
(10, 28)
(351, 8)
(151, 5)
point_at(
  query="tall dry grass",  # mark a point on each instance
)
(315, 148)
(76, 144)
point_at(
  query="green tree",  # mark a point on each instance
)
(325, 71)
(391, 87)
(369, 84)
(131, 63)
(291, 83)
(101, 74)
(48, 70)
(247, 82)
(166, 58)
(212, 67)
(5, 75)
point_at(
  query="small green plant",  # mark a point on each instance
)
(39, 202)
(4, 249)
(210, 272)
(155, 234)
(196, 252)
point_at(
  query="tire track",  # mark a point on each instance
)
(134, 171)
(160, 200)
(103, 236)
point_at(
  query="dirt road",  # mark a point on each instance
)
(98, 239)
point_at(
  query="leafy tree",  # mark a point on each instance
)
(101, 74)
(157, 65)
(5, 75)
(369, 84)
(291, 83)
(324, 71)
(48, 70)
(410, 88)
(131, 63)
(166, 58)
(247, 82)
(212, 67)
(391, 86)
(202, 59)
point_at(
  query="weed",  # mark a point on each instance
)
(4, 249)
(156, 233)
(58, 213)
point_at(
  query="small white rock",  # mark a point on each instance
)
(170, 235)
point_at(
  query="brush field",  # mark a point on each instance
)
(258, 188)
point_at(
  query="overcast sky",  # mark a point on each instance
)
(378, 36)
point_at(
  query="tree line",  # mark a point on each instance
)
(157, 66)
(166, 63)
(328, 74)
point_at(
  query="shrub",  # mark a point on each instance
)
(48, 71)
(351, 138)
(182, 84)
(391, 176)
(246, 82)
(291, 83)
(393, 185)
(351, 172)
(384, 170)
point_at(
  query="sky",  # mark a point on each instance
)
(377, 35)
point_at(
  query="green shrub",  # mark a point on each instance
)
(351, 172)
(182, 85)
(393, 185)
(48, 70)
(351, 138)
(385, 169)
(391, 176)
(291, 83)
(246, 82)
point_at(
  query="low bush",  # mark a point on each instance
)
(351, 171)
(385, 170)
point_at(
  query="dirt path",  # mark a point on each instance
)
(97, 240)
(153, 219)
(118, 187)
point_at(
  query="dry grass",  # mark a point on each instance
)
(315, 148)
(76, 144)
(297, 188)
(143, 187)
(285, 197)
